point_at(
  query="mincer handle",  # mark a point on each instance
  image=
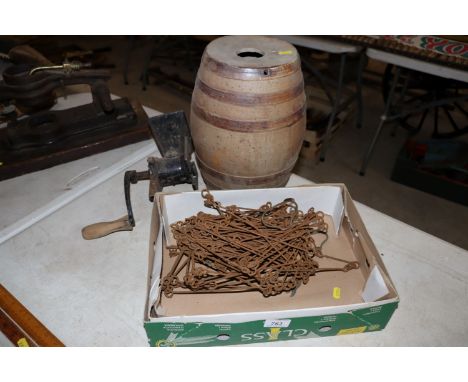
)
(125, 223)
(97, 230)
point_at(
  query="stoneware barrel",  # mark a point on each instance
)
(248, 114)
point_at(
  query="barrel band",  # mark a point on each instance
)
(243, 180)
(238, 73)
(248, 126)
(248, 99)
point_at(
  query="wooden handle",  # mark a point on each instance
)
(97, 230)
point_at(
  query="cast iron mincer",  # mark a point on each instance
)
(172, 136)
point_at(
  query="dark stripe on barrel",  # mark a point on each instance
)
(248, 126)
(246, 99)
(249, 73)
(243, 180)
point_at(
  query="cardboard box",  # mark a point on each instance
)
(332, 303)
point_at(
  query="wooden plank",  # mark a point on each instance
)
(13, 332)
(18, 316)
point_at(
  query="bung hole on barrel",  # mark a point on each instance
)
(250, 52)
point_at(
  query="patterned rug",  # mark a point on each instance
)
(435, 49)
(434, 44)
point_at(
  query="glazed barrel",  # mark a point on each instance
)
(248, 114)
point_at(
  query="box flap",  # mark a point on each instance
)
(375, 287)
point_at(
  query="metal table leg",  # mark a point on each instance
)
(383, 119)
(127, 58)
(154, 45)
(401, 98)
(336, 103)
(360, 107)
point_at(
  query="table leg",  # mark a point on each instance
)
(383, 119)
(154, 45)
(335, 106)
(127, 58)
(402, 97)
(360, 107)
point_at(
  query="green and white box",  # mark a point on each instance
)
(332, 303)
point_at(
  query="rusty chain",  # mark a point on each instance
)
(271, 249)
